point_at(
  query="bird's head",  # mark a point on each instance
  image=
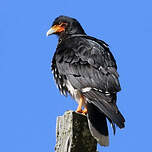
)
(65, 25)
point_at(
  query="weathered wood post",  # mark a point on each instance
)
(73, 135)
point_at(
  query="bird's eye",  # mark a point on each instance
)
(63, 24)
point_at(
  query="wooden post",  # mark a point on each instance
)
(73, 135)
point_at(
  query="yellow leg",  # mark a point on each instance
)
(79, 108)
(85, 111)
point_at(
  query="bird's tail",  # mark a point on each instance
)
(105, 104)
(100, 107)
(98, 124)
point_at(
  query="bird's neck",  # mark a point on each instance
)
(64, 36)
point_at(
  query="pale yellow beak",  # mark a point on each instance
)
(55, 29)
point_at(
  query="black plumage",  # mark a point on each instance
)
(84, 66)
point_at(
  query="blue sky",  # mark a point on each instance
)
(29, 100)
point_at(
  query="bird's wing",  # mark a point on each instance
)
(87, 63)
(90, 67)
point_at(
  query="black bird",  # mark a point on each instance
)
(84, 67)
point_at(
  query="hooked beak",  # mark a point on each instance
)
(50, 31)
(55, 29)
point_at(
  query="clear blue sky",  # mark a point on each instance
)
(29, 100)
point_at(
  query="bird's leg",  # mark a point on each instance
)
(79, 108)
(85, 111)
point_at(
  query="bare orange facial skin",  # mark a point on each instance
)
(59, 28)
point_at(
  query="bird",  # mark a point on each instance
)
(84, 68)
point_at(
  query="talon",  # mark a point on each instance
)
(85, 111)
(79, 109)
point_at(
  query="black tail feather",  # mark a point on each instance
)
(98, 124)
(97, 119)
(106, 105)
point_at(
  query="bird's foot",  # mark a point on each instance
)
(84, 112)
(79, 110)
